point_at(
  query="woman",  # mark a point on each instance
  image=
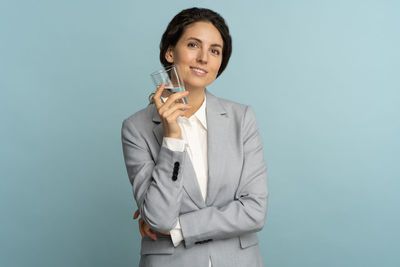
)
(197, 171)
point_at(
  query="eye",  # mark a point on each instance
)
(192, 45)
(215, 51)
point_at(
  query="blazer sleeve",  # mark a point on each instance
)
(247, 212)
(156, 184)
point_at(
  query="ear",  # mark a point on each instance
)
(169, 55)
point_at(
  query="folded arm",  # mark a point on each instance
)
(156, 184)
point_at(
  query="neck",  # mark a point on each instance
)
(195, 99)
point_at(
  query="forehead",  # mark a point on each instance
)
(205, 31)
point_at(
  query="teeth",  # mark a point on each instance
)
(198, 70)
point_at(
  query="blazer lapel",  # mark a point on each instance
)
(158, 130)
(217, 122)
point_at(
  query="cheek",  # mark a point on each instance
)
(217, 65)
(185, 57)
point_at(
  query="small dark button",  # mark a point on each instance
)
(174, 177)
(176, 164)
(203, 241)
(176, 168)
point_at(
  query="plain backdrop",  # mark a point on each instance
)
(322, 77)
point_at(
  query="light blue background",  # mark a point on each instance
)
(322, 76)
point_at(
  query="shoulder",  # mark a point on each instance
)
(242, 116)
(145, 114)
(232, 106)
(236, 110)
(141, 119)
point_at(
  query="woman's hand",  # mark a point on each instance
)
(144, 229)
(170, 111)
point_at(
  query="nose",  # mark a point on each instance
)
(202, 56)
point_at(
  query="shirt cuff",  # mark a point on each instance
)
(176, 234)
(174, 144)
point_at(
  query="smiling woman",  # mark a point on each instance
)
(197, 171)
(198, 55)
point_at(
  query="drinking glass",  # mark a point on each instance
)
(172, 82)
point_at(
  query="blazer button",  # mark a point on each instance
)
(176, 164)
(174, 177)
(203, 241)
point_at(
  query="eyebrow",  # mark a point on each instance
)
(198, 40)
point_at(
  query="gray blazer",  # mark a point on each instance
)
(165, 187)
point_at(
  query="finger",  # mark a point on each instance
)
(149, 232)
(172, 101)
(157, 96)
(176, 107)
(152, 234)
(141, 228)
(175, 96)
(137, 213)
(165, 233)
(172, 117)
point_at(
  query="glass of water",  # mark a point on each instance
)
(173, 83)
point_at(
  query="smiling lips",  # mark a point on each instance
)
(198, 71)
